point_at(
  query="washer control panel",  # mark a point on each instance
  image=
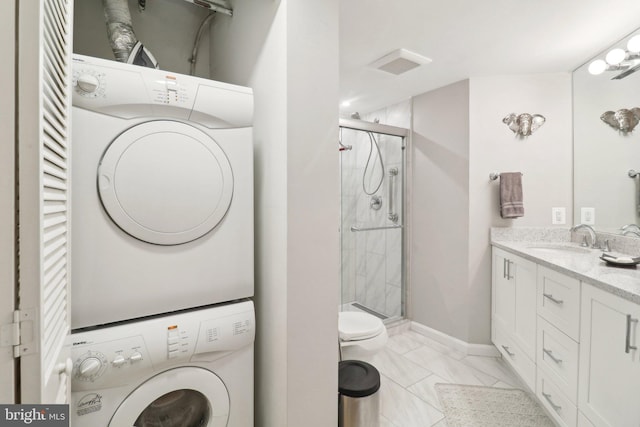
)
(108, 361)
(113, 356)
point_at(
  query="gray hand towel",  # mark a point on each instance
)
(511, 205)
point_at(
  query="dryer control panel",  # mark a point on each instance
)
(112, 356)
(128, 91)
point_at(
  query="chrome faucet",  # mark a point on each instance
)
(631, 232)
(630, 227)
(592, 234)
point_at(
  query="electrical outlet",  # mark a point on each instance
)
(588, 216)
(558, 216)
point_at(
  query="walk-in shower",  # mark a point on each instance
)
(372, 178)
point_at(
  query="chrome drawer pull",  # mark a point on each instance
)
(628, 347)
(550, 296)
(553, 405)
(504, 268)
(509, 276)
(507, 350)
(550, 354)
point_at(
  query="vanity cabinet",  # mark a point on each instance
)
(609, 379)
(575, 345)
(514, 311)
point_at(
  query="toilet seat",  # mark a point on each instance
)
(356, 326)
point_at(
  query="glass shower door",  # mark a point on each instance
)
(372, 165)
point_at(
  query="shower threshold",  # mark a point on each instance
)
(368, 310)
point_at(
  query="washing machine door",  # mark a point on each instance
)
(180, 397)
(165, 182)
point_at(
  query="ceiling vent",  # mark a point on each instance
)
(400, 61)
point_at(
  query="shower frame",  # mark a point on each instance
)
(404, 134)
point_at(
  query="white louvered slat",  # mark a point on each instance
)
(54, 158)
(53, 220)
(54, 101)
(57, 148)
(59, 132)
(46, 71)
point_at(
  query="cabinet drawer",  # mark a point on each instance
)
(515, 356)
(559, 406)
(559, 301)
(557, 355)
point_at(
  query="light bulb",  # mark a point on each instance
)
(597, 67)
(616, 56)
(634, 43)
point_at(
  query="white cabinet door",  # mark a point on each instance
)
(503, 292)
(609, 377)
(524, 328)
(513, 298)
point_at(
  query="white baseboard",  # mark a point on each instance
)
(455, 343)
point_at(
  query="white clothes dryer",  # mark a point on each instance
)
(190, 369)
(162, 192)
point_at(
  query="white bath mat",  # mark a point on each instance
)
(478, 406)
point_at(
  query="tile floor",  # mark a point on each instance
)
(410, 366)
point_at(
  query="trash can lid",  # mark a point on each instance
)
(357, 378)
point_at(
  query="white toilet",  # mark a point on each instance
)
(361, 334)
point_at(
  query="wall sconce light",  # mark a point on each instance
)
(622, 120)
(524, 124)
(618, 59)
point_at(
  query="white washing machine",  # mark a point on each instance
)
(162, 192)
(189, 369)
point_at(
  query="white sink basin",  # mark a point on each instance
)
(559, 248)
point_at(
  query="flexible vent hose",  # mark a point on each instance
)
(196, 43)
(119, 28)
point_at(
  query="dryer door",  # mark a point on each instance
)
(165, 182)
(180, 397)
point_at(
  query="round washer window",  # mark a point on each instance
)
(180, 397)
(165, 182)
(179, 408)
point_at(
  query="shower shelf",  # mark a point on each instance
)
(387, 227)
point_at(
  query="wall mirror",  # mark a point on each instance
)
(603, 155)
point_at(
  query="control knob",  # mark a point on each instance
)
(118, 361)
(135, 357)
(88, 83)
(89, 367)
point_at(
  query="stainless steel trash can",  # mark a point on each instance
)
(359, 400)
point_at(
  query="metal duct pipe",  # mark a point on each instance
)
(119, 28)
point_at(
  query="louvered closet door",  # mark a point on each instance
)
(44, 132)
(7, 194)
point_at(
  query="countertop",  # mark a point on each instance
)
(581, 263)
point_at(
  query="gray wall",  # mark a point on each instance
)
(439, 226)
(458, 140)
(166, 27)
(545, 159)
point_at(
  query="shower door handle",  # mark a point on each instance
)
(393, 172)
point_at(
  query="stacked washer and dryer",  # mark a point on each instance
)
(162, 241)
